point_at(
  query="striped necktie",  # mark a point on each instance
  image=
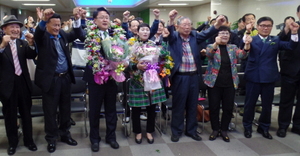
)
(18, 70)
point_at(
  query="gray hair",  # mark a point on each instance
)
(183, 18)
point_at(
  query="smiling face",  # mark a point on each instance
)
(144, 33)
(185, 27)
(160, 29)
(53, 26)
(102, 20)
(13, 30)
(134, 26)
(264, 28)
(225, 36)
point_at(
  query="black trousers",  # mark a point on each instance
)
(216, 97)
(136, 122)
(20, 98)
(290, 89)
(57, 98)
(99, 94)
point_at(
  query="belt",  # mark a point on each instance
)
(187, 73)
(61, 74)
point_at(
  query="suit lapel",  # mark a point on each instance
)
(258, 42)
(266, 45)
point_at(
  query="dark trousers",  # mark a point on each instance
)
(253, 90)
(136, 122)
(216, 97)
(20, 98)
(57, 98)
(185, 91)
(99, 94)
(290, 88)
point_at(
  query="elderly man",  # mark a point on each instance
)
(186, 73)
(54, 74)
(15, 84)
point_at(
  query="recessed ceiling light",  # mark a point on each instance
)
(40, 4)
(172, 4)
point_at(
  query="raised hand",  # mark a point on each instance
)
(132, 17)
(249, 27)
(218, 40)
(39, 13)
(156, 13)
(77, 12)
(294, 27)
(30, 39)
(126, 15)
(248, 39)
(172, 16)
(47, 14)
(220, 21)
(5, 40)
(165, 32)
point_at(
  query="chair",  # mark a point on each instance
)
(203, 103)
(78, 96)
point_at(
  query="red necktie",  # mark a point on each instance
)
(18, 70)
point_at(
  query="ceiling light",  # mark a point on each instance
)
(34, 4)
(31, 0)
(186, 0)
(172, 4)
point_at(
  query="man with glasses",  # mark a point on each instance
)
(261, 73)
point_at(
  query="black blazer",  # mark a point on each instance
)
(7, 68)
(47, 55)
(289, 60)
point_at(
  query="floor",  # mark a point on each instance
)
(163, 146)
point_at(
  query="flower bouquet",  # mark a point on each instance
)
(116, 51)
(165, 63)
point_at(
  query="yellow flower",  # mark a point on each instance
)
(98, 39)
(95, 65)
(171, 64)
(168, 72)
(170, 58)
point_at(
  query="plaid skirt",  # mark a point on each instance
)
(140, 98)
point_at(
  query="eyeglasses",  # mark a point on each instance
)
(224, 34)
(103, 17)
(186, 24)
(266, 26)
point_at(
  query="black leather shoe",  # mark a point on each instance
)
(95, 147)
(225, 136)
(294, 130)
(11, 150)
(73, 123)
(69, 141)
(113, 144)
(31, 147)
(281, 132)
(175, 138)
(195, 136)
(214, 135)
(265, 134)
(51, 148)
(247, 134)
(138, 141)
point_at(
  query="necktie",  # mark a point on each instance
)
(18, 70)
(263, 40)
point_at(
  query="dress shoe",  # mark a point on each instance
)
(113, 144)
(247, 134)
(73, 123)
(225, 136)
(150, 141)
(11, 150)
(51, 148)
(31, 147)
(265, 134)
(214, 135)
(195, 136)
(69, 141)
(281, 132)
(95, 147)
(294, 130)
(175, 138)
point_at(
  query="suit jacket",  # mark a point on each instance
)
(48, 56)
(7, 68)
(262, 65)
(289, 60)
(175, 46)
(214, 64)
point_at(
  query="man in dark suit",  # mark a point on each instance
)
(15, 84)
(186, 73)
(290, 83)
(54, 74)
(261, 73)
(102, 94)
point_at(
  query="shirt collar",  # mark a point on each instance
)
(58, 36)
(263, 37)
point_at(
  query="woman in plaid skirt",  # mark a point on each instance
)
(144, 60)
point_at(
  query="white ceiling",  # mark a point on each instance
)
(68, 5)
